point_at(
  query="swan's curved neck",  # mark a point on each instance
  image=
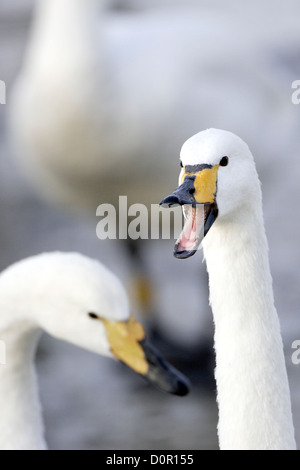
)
(21, 426)
(69, 10)
(253, 391)
(65, 35)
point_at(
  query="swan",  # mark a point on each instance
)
(222, 200)
(102, 101)
(78, 300)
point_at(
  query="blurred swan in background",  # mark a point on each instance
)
(219, 177)
(75, 299)
(103, 99)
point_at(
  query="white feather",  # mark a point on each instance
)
(54, 292)
(253, 390)
(103, 101)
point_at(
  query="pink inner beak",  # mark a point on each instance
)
(193, 231)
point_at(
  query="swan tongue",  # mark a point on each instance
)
(193, 232)
(199, 220)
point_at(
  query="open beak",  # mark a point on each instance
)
(197, 195)
(128, 344)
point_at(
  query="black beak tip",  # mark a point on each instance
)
(162, 375)
(174, 383)
(169, 201)
(183, 254)
(182, 389)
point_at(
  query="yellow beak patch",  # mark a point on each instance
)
(124, 339)
(205, 184)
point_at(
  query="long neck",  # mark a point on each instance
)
(59, 13)
(21, 426)
(64, 36)
(253, 391)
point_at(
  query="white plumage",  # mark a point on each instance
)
(71, 297)
(103, 100)
(253, 391)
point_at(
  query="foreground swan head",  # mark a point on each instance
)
(218, 180)
(222, 199)
(78, 300)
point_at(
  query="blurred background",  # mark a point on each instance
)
(158, 72)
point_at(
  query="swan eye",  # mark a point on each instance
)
(224, 161)
(93, 316)
(181, 164)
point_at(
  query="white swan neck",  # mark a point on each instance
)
(64, 31)
(69, 8)
(21, 425)
(67, 16)
(253, 391)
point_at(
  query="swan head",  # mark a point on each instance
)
(218, 179)
(78, 300)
